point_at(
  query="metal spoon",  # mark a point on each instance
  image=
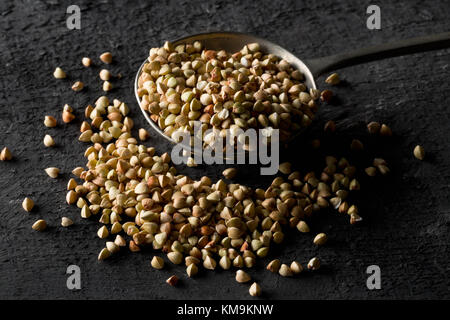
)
(311, 68)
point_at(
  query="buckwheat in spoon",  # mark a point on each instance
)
(227, 80)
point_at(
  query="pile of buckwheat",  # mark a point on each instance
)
(142, 202)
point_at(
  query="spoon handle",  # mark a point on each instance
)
(420, 44)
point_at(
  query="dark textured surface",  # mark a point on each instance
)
(407, 216)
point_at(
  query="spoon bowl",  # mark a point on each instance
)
(231, 42)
